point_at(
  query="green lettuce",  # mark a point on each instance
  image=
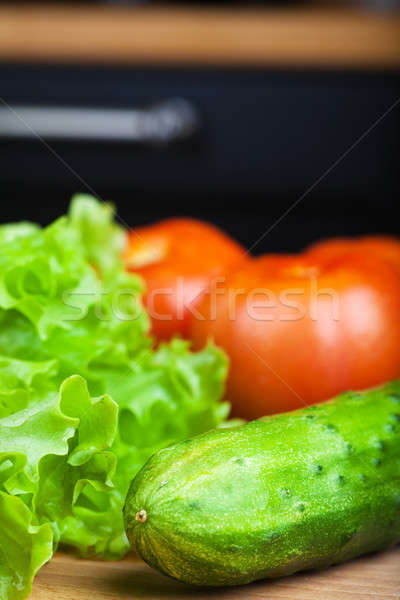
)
(53, 446)
(73, 335)
(24, 548)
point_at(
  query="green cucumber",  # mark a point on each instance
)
(295, 491)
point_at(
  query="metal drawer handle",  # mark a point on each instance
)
(162, 123)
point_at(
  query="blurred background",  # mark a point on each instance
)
(277, 120)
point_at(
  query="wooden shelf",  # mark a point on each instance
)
(310, 37)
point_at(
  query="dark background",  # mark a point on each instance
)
(266, 137)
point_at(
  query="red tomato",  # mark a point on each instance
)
(178, 258)
(300, 329)
(384, 247)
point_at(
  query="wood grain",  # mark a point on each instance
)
(374, 577)
(329, 37)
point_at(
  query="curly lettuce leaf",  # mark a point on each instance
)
(24, 548)
(54, 447)
(103, 239)
(173, 395)
(67, 307)
(51, 450)
(10, 232)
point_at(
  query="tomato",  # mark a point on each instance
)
(385, 247)
(178, 258)
(299, 329)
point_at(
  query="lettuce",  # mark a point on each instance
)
(73, 335)
(24, 548)
(52, 448)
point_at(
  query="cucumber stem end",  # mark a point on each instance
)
(141, 516)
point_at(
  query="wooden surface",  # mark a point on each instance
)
(200, 35)
(374, 577)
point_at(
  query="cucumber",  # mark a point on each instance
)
(295, 491)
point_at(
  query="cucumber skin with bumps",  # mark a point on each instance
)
(295, 491)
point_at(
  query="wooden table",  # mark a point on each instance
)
(374, 577)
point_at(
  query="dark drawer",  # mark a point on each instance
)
(264, 138)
